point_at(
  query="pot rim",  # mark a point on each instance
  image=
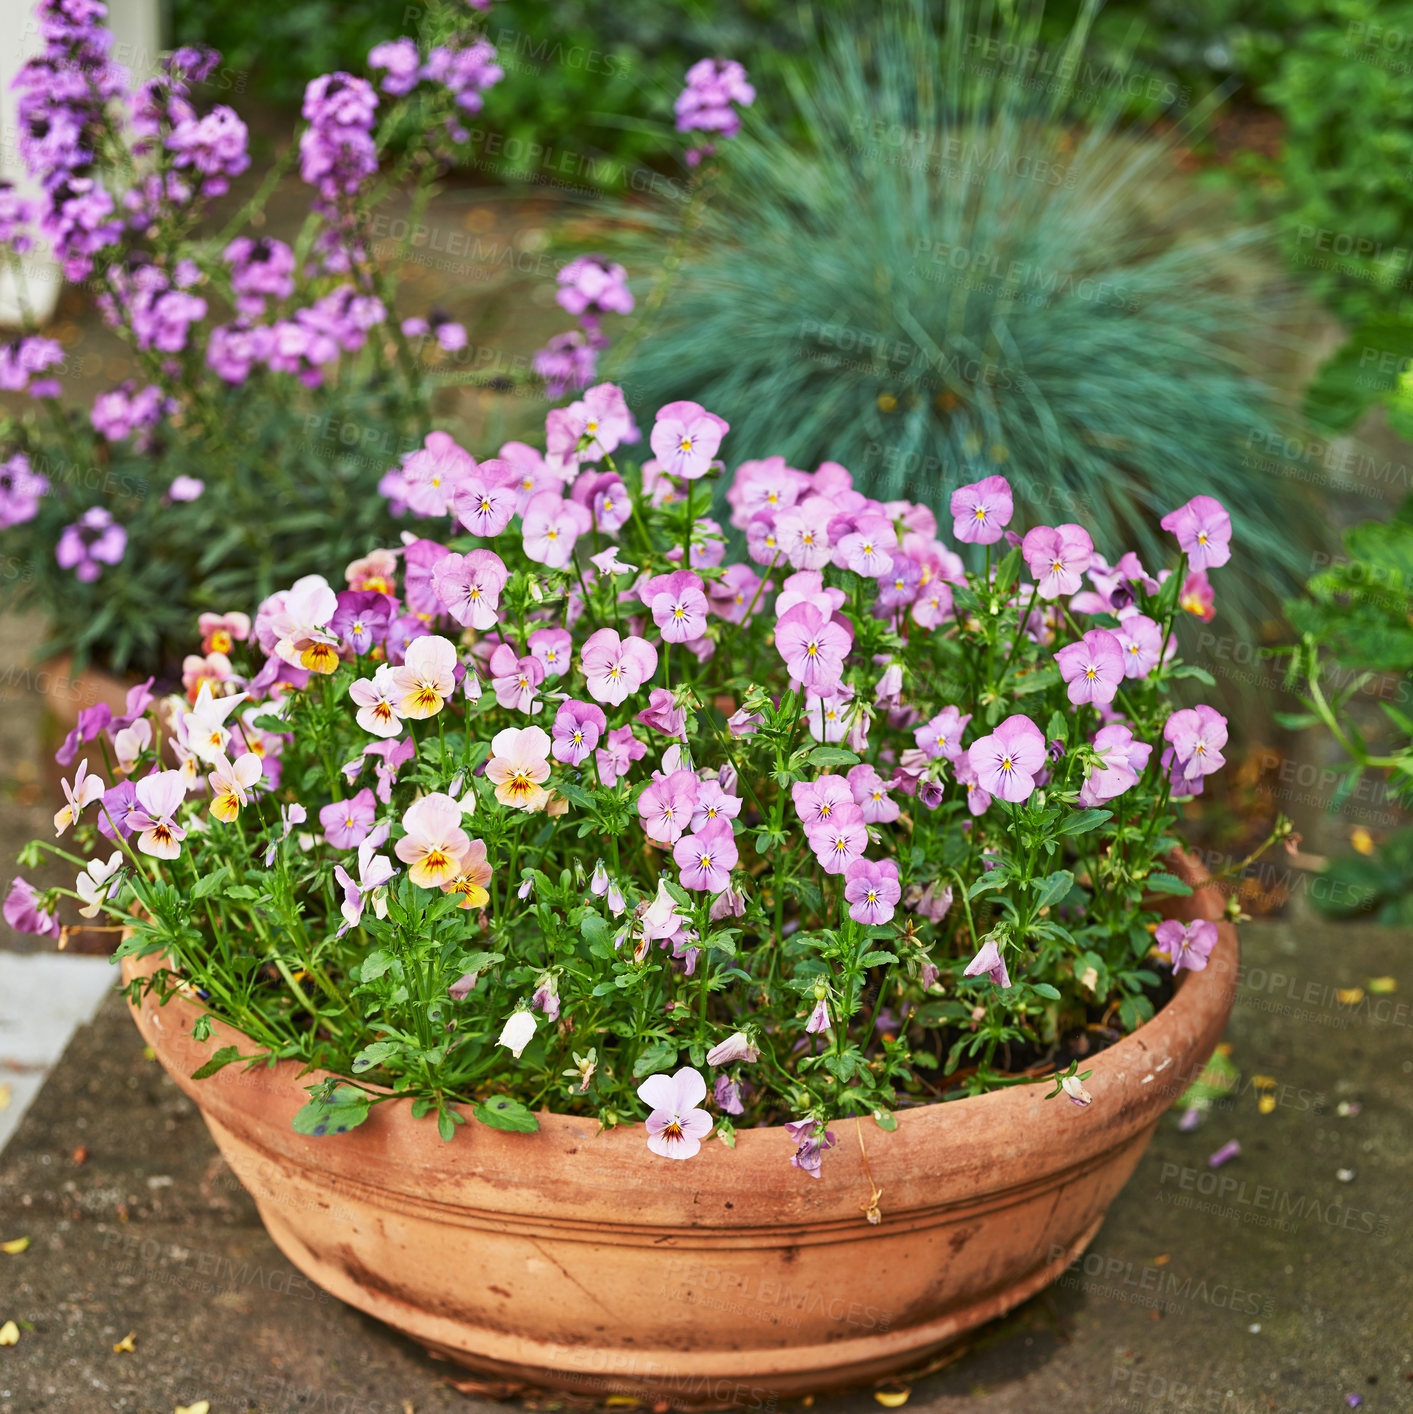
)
(1197, 1009)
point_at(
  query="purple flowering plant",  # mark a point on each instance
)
(580, 800)
(251, 357)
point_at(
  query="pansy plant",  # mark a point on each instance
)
(633, 816)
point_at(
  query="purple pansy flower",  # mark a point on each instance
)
(685, 438)
(347, 823)
(1093, 667)
(1007, 762)
(1057, 558)
(576, 731)
(811, 1139)
(1187, 945)
(872, 890)
(1203, 530)
(982, 511)
(989, 960)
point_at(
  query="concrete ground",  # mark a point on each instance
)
(1275, 1283)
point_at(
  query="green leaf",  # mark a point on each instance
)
(333, 1112)
(374, 965)
(657, 1057)
(1162, 883)
(201, 1031)
(1052, 888)
(1191, 670)
(874, 959)
(242, 891)
(219, 1061)
(597, 934)
(842, 1067)
(209, 883)
(1044, 989)
(501, 1112)
(1080, 822)
(885, 1119)
(379, 1053)
(832, 756)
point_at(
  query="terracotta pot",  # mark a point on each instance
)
(578, 1260)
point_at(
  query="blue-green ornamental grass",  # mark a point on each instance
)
(952, 274)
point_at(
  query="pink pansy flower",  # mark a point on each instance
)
(802, 533)
(1058, 558)
(486, 500)
(614, 758)
(347, 823)
(427, 676)
(738, 592)
(870, 792)
(159, 797)
(519, 766)
(942, 736)
(576, 731)
(431, 475)
(677, 1124)
(435, 843)
(378, 701)
(812, 1141)
(551, 526)
(982, 511)
(1093, 667)
(1197, 735)
(663, 714)
(607, 562)
(818, 1022)
(666, 805)
(130, 742)
(872, 891)
(828, 714)
(468, 587)
(866, 549)
(1187, 945)
(838, 842)
(301, 625)
(602, 416)
(714, 802)
(1141, 641)
(220, 632)
(808, 587)
(1123, 760)
(707, 857)
(84, 791)
(553, 647)
(977, 799)
(989, 960)
(615, 667)
(606, 497)
(736, 1047)
(214, 668)
(1197, 597)
(1007, 762)
(685, 439)
(374, 871)
(516, 680)
(822, 801)
(813, 647)
(677, 604)
(763, 543)
(1203, 530)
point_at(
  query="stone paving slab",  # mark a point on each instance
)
(43, 998)
(1271, 1284)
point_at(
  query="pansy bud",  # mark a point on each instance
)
(598, 881)
(819, 1018)
(463, 986)
(1073, 1086)
(615, 900)
(729, 903)
(527, 888)
(728, 1095)
(890, 686)
(736, 1047)
(518, 1032)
